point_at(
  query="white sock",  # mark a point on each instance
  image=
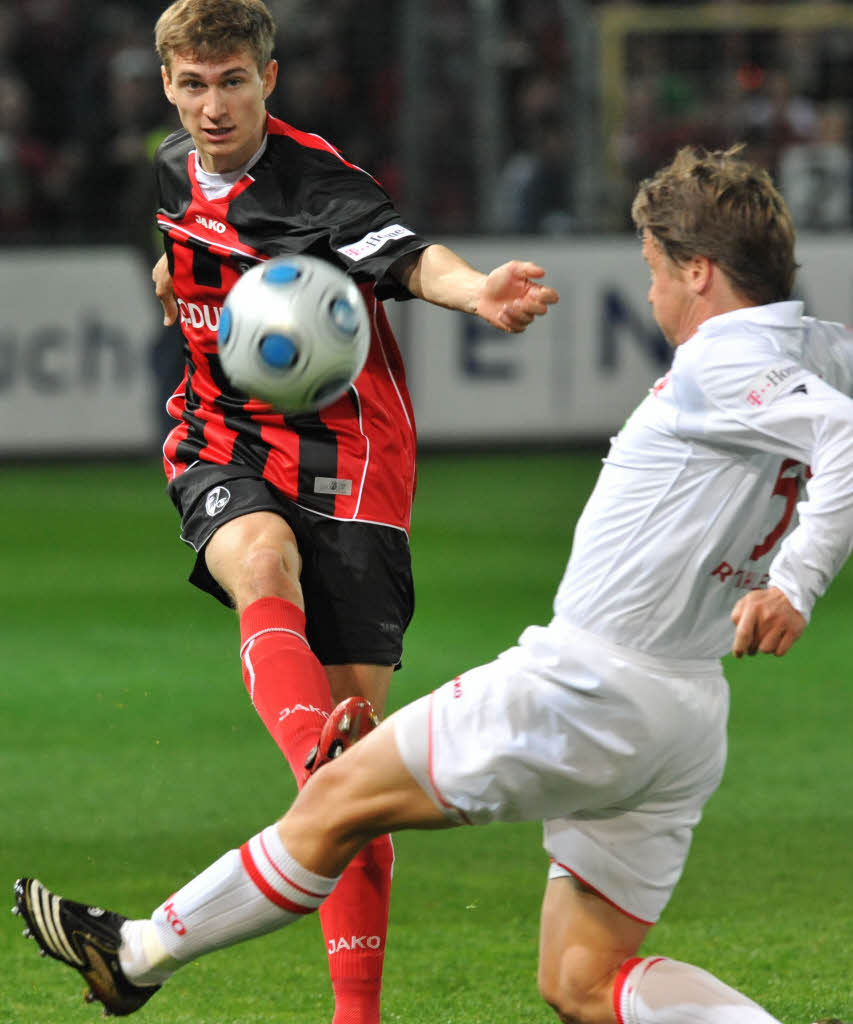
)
(247, 892)
(661, 991)
(141, 954)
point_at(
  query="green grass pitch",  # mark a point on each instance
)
(131, 758)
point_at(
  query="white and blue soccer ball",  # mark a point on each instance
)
(294, 332)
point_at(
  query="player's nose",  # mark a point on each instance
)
(214, 105)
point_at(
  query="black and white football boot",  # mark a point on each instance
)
(83, 937)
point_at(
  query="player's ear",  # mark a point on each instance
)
(167, 84)
(270, 77)
(699, 271)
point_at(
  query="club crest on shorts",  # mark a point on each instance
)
(216, 500)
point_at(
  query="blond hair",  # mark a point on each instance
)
(719, 205)
(211, 30)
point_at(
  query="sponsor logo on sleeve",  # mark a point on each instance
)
(374, 241)
(771, 383)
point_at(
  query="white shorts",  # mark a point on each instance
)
(617, 752)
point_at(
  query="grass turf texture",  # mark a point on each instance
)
(131, 758)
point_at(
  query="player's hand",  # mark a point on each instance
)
(765, 621)
(163, 290)
(510, 299)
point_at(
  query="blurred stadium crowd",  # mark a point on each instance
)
(81, 111)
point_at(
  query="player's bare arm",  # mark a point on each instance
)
(766, 622)
(509, 297)
(163, 290)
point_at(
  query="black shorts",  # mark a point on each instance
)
(356, 577)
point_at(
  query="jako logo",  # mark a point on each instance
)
(216, 500)
(309, 708)
(176, 924)
(355, 942)
(210, 224)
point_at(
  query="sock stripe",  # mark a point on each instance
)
(319, 897)
(264, 887)
(625, 971)
(272, 629)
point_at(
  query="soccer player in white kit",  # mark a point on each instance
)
(723, 510)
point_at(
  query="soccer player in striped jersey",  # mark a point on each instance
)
(300, 523)
(722, 513)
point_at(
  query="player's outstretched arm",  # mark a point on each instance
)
(765, 622)
(509, 297)
(163, 290)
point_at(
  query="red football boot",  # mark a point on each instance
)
(348, 722)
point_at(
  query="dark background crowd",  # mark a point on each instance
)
(82, 110)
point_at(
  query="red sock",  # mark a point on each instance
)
(290, 692)
(355, 925)
(285, 680)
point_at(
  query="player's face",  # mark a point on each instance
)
(222, 105)
(670, 296)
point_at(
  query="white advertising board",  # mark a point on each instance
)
(75, 352)
(78, 328)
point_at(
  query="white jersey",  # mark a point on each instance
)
(736, 472)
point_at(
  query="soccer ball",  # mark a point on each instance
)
(294, 331)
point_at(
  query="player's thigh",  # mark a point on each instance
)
(369, 681)
(583, 941)
(255, 555)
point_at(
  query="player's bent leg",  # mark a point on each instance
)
(583, 942)
(590, 974)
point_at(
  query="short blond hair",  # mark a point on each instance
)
(210, 30)
(719, 205)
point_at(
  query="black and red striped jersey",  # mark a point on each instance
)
(354, 459)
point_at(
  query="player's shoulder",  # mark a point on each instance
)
(174, 149)
(744, 338)
(729, 353)
(315, 155)
(170, 168)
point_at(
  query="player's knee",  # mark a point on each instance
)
(271, 570)
(574, 991)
